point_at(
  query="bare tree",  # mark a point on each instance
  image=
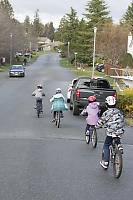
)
(112, 42)
(4, 33)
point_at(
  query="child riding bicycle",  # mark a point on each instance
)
(91, 111)
(58, 104)
(113, 121)
(38, 93)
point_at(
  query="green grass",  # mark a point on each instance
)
(4, 67)
(65, 63)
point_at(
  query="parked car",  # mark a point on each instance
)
(19, 54)
(70, 86)
(85, 87)
(17, 71)
(59, 51)
(100, 68)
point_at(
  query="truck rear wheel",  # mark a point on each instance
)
(70, 106)
(75, 110)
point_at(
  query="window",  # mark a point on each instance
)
(93, 83)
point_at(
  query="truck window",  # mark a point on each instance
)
(84, 83)
(103, 84)
(93, 83)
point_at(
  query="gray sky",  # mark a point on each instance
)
(54, 10)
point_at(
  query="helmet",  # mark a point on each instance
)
(91, 98)
(39, 86)
(110, 100)
(58, 90)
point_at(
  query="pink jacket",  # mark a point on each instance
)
(92, 110)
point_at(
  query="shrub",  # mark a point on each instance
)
(127, 60)
(125, 102)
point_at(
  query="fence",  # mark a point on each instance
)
(120, 72)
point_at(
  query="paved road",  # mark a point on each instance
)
(39, 161)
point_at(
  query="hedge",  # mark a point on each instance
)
(125, 102)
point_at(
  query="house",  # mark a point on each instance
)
(45, 44)
(130, 44)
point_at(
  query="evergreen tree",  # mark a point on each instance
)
(128, 17)
(51, 31)
(27, 24)
(68, 31)
(83, 46)
(59, 33)
(97, 13)
(37, 26)
(96, 17)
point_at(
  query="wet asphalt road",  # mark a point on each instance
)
(41, 162)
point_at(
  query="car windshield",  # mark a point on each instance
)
(17, 67)
(95, 83)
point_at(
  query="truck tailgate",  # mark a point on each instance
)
(99, 93)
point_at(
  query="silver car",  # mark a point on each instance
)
(17, 71)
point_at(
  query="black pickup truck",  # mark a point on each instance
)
(85, 87)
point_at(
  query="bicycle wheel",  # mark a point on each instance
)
(58, 120)
(87, 138)
(117, 164)
(94, 138)
(38, 113)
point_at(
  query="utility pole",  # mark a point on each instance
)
(68, 53)
(75, 59)
(30, 50)
(11, 49)
(95, 30)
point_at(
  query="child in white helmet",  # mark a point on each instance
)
(58, 103)
(113, 121)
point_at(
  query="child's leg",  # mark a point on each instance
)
(54, 114)
(87, 128)
(107, 143)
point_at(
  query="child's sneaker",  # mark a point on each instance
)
(120, 147)
(53, 120)
(104, 164)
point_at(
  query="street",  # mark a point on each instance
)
(38, 161)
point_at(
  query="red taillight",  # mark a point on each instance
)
(69, 90)
(116, 139)
(115, 95)
(77, 93)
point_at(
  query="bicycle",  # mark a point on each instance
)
(39, 108)
(91, 135)
(115, 158)
(58, 117)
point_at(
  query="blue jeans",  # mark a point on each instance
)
(107, 143)
(39, 104)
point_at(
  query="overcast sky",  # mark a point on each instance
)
(54, 10)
